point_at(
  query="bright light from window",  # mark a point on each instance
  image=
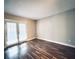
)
(22, 32)
(11, 33)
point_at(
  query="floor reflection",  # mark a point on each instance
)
(23, 48)
(16, 52)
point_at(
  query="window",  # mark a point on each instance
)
(16, 32)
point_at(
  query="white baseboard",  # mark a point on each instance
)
(31, 38)
(58, 42)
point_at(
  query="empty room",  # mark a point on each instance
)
(39, 29)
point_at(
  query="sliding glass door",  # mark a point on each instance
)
(16, 33)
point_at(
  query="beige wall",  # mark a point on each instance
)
(31, 24)
(59, 28)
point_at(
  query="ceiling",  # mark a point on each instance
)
(37, 9)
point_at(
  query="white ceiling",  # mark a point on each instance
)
(37, 9)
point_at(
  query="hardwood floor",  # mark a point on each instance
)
(40, 49)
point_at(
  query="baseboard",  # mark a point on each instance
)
(58, 42)
(29, 39)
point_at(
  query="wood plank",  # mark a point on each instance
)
(40, 49)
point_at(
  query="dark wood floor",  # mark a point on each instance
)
(40, 49)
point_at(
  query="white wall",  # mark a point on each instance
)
(58, 28)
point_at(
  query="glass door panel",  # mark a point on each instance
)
(11, 33)
(22, 32)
